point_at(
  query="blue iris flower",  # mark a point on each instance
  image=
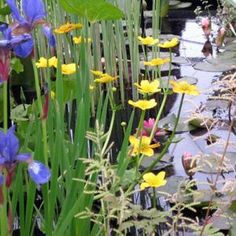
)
(9, 158)
(9, 42)
(34, 14)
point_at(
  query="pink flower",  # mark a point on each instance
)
(206, 26)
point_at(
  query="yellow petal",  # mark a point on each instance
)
(144, 185)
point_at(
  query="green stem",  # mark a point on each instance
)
(154, 198)
(158, 116)
(40, 105)
(140, 125)
(169, 141)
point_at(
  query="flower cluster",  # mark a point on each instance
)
(66, 69)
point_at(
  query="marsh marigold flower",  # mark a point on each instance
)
(103, 77)
(43, 62)
(142, 146)
(150, 41)
(78, 40)
(170, 43)
(157, 62)
(68, 69)
(147, 87)
(153, 181)
(67, 28)
(143, 104)
(184, 87)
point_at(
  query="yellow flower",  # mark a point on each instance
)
(105, 78)
(67, 28)
(148, 41)
(154, 181)
(78, 40)
(43, 62)
(157, 62)
(169, 44)
(184, 87)
(142, 146)
(68, 69)
(97, 72)
(143, 104)
(52, 61)
(148, 87)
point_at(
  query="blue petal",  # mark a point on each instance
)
(49, 34)
(19, 39)
(1, 179)
(23, 157)
(2, 140)
(38, 172)
(15, 12)
(34, 10)
(24, 49)
(2, 160)
(3, 27)
(12, 144)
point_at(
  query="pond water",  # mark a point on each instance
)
(192, 40)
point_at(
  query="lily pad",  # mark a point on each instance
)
(174, 2)
(189, 79)
(205, 66)
(172, 185)
(181, 5)
(180, 60)
(168, 124)
(165, 162)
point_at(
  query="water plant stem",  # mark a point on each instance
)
(154, 198)
(159, 115)
(169, 141)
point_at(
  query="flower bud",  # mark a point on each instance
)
(188, 163)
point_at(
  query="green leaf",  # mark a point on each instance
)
(93, 10)
(16, 65)
(5, 11)
(20, 112)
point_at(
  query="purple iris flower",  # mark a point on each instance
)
(10, 42)
(34, 14)
(9, 158)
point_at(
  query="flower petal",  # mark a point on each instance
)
(144, 185)
(14, 11)
(38, 172)
(148, 176)
(47, 31)
(24, 49)
(12, 144)
(23, 157)
(34, 10)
